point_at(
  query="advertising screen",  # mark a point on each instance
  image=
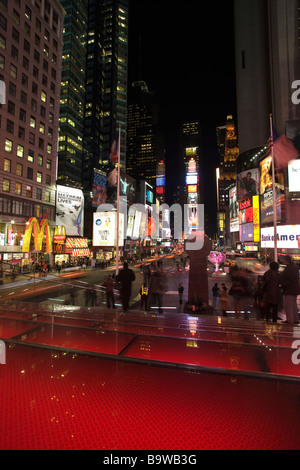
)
(233, 210)
(70, 209)
(160, 181)
(248, 183)
(99, 188)
(105, 229)
(266, 192)
(191, 179)
(288, 237)
(294, 176)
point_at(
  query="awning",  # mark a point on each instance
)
(80, 252)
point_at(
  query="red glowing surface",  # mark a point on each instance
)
(166, 382)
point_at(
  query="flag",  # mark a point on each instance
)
(114, 152)
(284, 152)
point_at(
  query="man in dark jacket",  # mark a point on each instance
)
(126, 276)
(290, 288)
(271, 288)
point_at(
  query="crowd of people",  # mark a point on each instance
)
(274, 291)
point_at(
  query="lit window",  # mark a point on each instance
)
(39, 177)
(6, 185)
(18, 188)
(20, 151)
(8, 145)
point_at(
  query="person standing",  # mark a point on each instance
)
(290, 289)
(144, 297)
(109, 287)
(157, 290)
(216, 297)
(271, 289)
(224, 300)
(180, 292)
(126, 276)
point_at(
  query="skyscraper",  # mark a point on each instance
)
(145, 146)
(94, 88)
(267, 63)
(30, 64)
(71, 119)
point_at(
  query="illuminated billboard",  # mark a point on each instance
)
(294, 176)
(99, 188)
(193, 189)
(70, 209)
(266, 192)
(233, 210)
(248, 183)
(288, 237)
(191, 179)
(105, 229)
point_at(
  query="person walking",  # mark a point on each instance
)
(290, 289)
(240, 293)
(109, 289)
(216, 297)
(224, 300)
(157, 290)
(126, 276)
(180, 292)
(144, 297)
(271, 289)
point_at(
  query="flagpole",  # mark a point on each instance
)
(118, 202)
(274, 193)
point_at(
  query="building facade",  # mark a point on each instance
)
(31, 34)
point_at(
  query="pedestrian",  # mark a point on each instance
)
(109, 289)
(216, 297)
(157, 290)
(259, 301)
(271, 289)
(144, 297)
(180, 292)
(224, 300)
(290, 289)
(126, 276)
(240, 292)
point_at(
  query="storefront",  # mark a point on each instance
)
(71, 250)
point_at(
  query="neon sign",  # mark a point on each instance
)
(39, 230)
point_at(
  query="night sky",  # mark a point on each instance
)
(187, 58)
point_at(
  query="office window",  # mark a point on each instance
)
(19, 169)
(26, 46)
(16, 17)
(31, 138)
(28, 191)
(14, 52)
(8, 145)
(48, 180)
(9, 126)
(2, 62)
(42, 128)
(11, 107)
(2, 42)
(18, 188)
(25, 63)
(35, 72)
(36, 56)
(23, 97)
(24, 80)
(12, 89)
(32, 122)
(13, 71)
(20, 151)
(33, 104)
(39, 194)
(49, 148)
(3, 22)
(15, 35)
(41, 143)
(7, 165)
(27, 12)
(21, 133)
(43, 96)
(6, 185)
(3, 4)
(40, 160)
(39, 177)
(47, 196)
(30, 156)
(48, 165)
(30, 173)
(22, 115)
